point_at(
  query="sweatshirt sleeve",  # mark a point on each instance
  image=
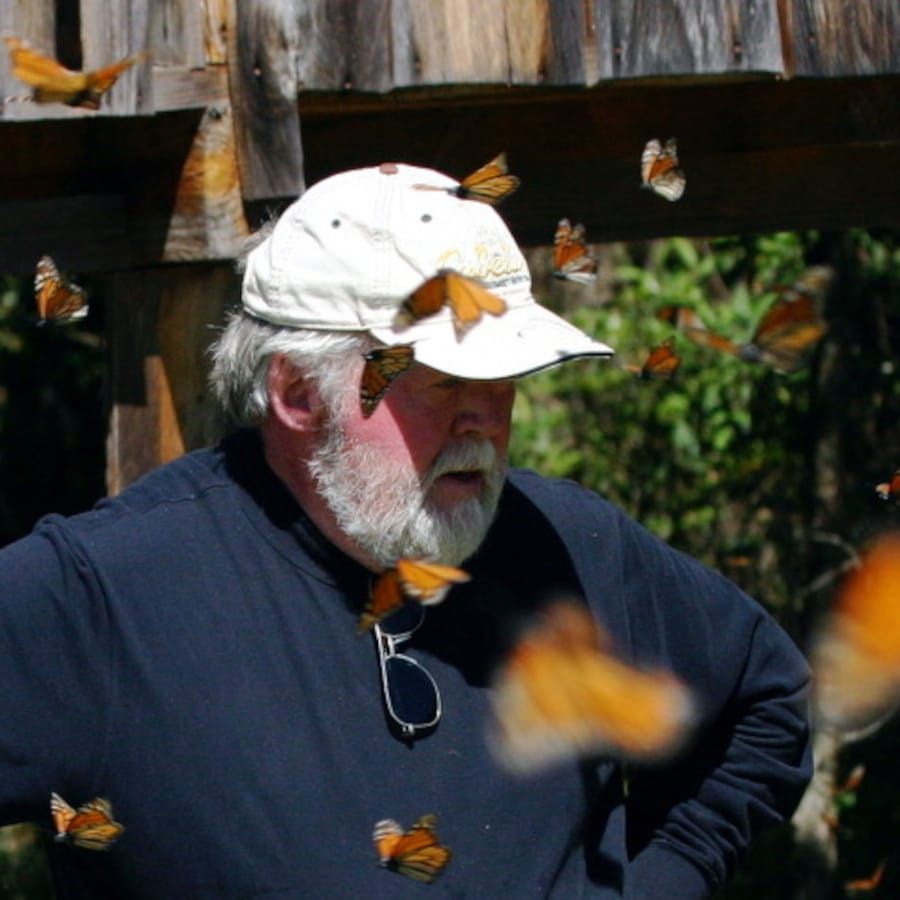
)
(750, 757)
(54, 673)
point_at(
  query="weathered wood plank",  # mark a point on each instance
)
(689, 37)
(180, 88)
(112, 30)
(158, 330)
(832, 37)
(177, 33)
(263, 50)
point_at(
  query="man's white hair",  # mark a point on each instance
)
(243, 352)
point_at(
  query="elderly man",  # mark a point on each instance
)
(187, 655)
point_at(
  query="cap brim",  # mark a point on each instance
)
(524, 339)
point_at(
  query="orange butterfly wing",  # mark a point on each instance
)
(466, 297)
(90, 826)
(562, 693)
(428, 582)
(785, 333)
(416, 853)
(571, 259)
(864, 885)
(489, 184)
(890, 490)
(51, 82)
(409, 579)
(662, 362)
(56, 297)
(382, 366)
(660, 171)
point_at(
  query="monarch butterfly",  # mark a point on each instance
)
(90, 826)
(410, 578)
(382, 366)
(856, 656)
(466, 297)
(57, 298)
(562, 693)
(864, 885)
(660, 172)
(571, 258)
(415, 853)
(51, 82)
(662, 362)
(890, 490)
(489, 184)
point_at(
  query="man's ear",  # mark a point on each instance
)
(293, 398)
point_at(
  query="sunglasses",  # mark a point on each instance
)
(411, 696)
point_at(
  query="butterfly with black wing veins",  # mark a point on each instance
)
(572, 260)
(661, 362)
(57, 298)
(416, 853)
(52, 82)
(489, 184)
(382, 366)
(660, 171)
(91, 826)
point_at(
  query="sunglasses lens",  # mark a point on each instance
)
(411, 693)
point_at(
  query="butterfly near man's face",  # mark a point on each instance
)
(51, 82)
(856, 655)
(489, 184)
(562, 693)
(661, 362)
(467, 298)
(382, 366)
(91, 826)
(660, 171)
(409, 579)
(416, 853)
(57, 298)
(572, 260)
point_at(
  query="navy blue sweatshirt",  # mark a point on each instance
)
(189, 650)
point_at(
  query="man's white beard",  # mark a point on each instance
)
(383, 507)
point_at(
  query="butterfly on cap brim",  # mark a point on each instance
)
(489, 184)
(57, 298)
(51, 82)
(562, 693)
(661, 362)
(660, 171)
(571, 259)
(467, 298)
(416, 853)
(91, 826)
(409, 579)
(890, 490)
(382, 366)
(856, 654)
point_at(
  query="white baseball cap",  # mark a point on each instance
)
(355, 246)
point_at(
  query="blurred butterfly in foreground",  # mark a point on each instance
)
(865, 885)
(51, 82)
(890, 490)
(466, 297)
(571, 259)
(410, 579)
(383, 365)
(415, 853)
(90, 826)
(489, 184)
(662, 362)
(562, 694)
(660, 171)
(57, 298)
(856, 656)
